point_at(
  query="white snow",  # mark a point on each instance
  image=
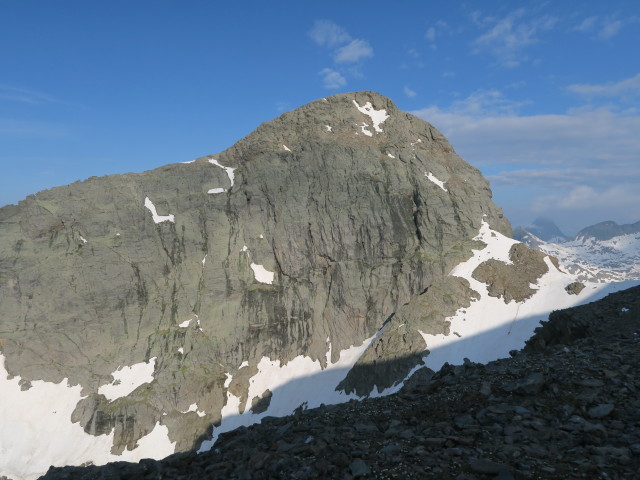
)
(227, 382)
(286, 148)
(194, 408)
(243, 364)
(377, 116)
(186, 323)
(390, 156)
(261, 236)
(364, 127)
(217, 190)
(190, 161)
(127, 379)
(624, 309)
(589, 259)
(302, 381)
(84, 240)
(435, 180)
(229, 170)
(181, 350)
(261, 274)
(30, 417)
(489, 328)
(157, 218)
(204, 260)
(328, 127)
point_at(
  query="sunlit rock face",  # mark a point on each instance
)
(173, 298)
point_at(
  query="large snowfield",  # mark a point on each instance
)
(36, 430)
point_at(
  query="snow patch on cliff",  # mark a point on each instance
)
(377, 116)
(300, 382)
(127, 379)
(157, 218)
(44, 412)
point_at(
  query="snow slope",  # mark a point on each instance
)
(490, 328)
(590, 259)
(39, 432)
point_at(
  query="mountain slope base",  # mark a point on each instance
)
(564, 411)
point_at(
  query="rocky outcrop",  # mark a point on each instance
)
(301, 239)
(512, 281)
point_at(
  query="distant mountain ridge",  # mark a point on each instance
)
(608, 230)
(545, 229)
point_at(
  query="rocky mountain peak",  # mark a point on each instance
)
(164, 306)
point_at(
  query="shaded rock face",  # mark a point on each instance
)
(302, 238)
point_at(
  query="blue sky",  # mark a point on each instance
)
(542, 97)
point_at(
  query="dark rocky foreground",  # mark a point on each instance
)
(565, 407)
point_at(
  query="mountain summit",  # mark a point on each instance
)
(319, 259)
(543, 229)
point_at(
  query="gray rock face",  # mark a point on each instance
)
(329, 223)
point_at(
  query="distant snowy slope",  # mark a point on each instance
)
(589, 259)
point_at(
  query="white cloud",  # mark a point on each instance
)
(326, 33)
(580, 138)
(624, 88)
(24, 95)
(587, 25)
(408, 92)
(430, 34)
(579, 167)
(508, 36)
(585, 197)
(610, 27)
(353, 52)
(441, 27)
(412, 52)
(605, 27)
(345, 51)
(332, 79)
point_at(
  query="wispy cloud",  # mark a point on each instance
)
(626, 88)
(430, 34)
(408, 92)
(354, 51)
(605, 27)
(332, 79)
(328, 34)
(31, 129)
(507, 37)
(24, 95)
(587, 198)
(347, 52)
(436, 30)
